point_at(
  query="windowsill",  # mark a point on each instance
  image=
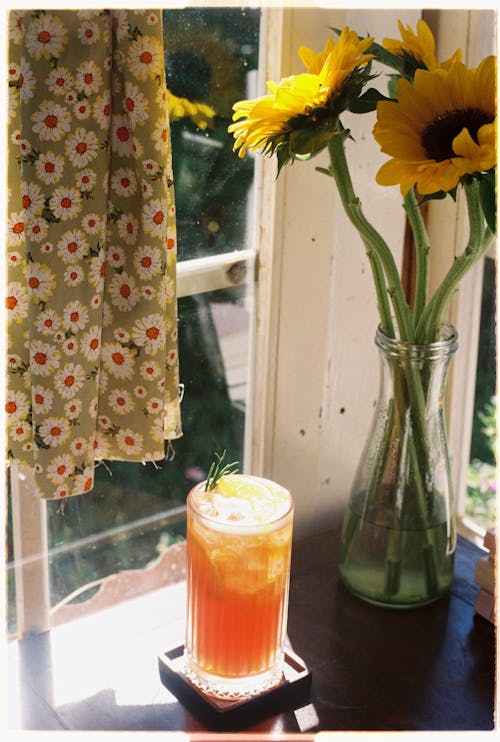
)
(470, 530)
(430, 668)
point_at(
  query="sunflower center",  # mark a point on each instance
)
(437, 138)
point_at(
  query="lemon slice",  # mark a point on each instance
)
(262, 497)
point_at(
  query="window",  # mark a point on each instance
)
(301, 422)
(136, 511)
(481, 503)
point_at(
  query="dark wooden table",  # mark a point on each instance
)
(431, 668)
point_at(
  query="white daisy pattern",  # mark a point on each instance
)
(48, 322)
(91, 245)
(16, 301)
(145, 57)
(124, 182)
(42, 399)
(16, 406)
(72, 246)
(60, 81)
(135, 105)
(154, 216)
(27, 81)
(46, 36)
(44, 359)
(123, 291)
(69, 380)
(82, 147)
(32, 199)
(49, 167)
(36, 229)
(59, 468)
(121, 401)
(15, 228)
(118, 360)
(51, 121)
(148, 261)
(128, 228)
(41, 282)
(65, 203)
(88, 78)
(150, 332)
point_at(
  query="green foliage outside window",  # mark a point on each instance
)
(481, 502)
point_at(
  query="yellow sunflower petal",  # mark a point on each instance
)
(314, 61)
(296, 93)
(464, 145)
(455, 57)
(434, 91)
(476, 157)
(421, 45)
(395, 172)
(437, 176)
(485, 84)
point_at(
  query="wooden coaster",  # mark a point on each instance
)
(291, 692)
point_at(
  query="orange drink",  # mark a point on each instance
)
(239, 538)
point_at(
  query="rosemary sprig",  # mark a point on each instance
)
(219, 469)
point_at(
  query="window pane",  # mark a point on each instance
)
(10, 586)
(136, 510)
(211, 59)
(481, 500)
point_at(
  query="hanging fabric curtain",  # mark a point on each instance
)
(91, 301)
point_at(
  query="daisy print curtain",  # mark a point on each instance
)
(91, 304)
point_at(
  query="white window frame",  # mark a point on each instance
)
(307, 419)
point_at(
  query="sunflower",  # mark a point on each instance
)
(442, 127)
(200, 113)
(420, 46)
(310, 101)
(336, 61)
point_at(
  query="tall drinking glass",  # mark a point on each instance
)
(239, 539)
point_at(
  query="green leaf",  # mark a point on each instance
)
(367, 102)
(324, 171)
(487, 197)
(384, 57)
(283, 157)
(438, 196)
(308, 141)
(392, 85)
(218, 469)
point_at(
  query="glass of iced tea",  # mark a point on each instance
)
(239, 539)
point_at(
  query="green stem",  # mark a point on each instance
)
(429, 546)
(422, 250)
(432, 318)
(381, 291)
(385, 261)
(340, 171)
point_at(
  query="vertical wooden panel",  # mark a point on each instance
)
(351, 381)
(30, 554)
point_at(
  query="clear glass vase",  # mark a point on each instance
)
(399, 535)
